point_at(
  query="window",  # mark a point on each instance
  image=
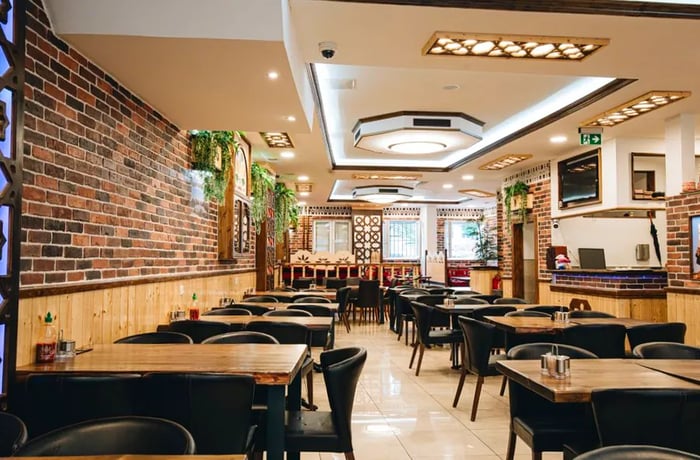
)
(401, 239)
(331, 236)
(460, 239)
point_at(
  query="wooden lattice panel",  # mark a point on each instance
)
(367, 236)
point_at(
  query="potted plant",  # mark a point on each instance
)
(515, 193)
(485, 243)
(262, 183)
(211, 157)
(286, 209)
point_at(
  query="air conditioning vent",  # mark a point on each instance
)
(432, 122)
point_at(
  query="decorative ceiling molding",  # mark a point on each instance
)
(541, 172)
(326, 211)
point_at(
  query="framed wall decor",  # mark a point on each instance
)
(695, 247)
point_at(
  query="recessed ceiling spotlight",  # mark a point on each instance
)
(304, 193)
(272, 75)
(557, 139)
(447, 185)
(468, 177)
(303, 178)
(287, 154)
(291, 118)
(301, 203)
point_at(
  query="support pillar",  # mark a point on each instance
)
(680, 152)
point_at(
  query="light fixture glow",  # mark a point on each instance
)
(277, 140)
(468, 177)
(304, 193)
(272, 75)
(504, 162)
(382, 195)
(557, 139)
(301, 203)
(291, 118)
(447, 186)
(417, 147)
(287, 154)
(514, 46)
(638, 106)
(302, 178)
(477, 193)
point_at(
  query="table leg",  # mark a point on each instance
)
(332, 334)
(275, 422)
(294, 402)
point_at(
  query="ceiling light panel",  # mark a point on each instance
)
(361, 176)
(638, 106)
(504, 162)
(513, 46)
(381, 194)
(277, 140)
(477, 193)
(303, 186)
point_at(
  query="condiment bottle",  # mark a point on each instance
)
(194, 310)
(46, 346)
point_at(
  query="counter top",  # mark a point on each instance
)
(610, 271)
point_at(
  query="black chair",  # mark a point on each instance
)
(199, 330)
(543, 425)
(318, 338)
(499, 340)
(284, 298)
(256, 310)
(342, 295)
(438, 318)
(532, 314)
(352, 281)
(288, 289)
(49, 401)
(604, 340)
(487, 297)
(441, 291)
(287, 312)
(329, 431)
(657, 332)
(113, 436)
(215, 408)
(509, 301)
(228, 311)
(405, 313)
(335, 283)
(469, 300)
(311, 299)
(369, 298)
(666, 350)
(637, 453)
(422, 315)
(13, 434)
(549, 309)
(261, 298)
(156, 337)
(241, 337)
(302, 283)
(589, 314)
(477, 357)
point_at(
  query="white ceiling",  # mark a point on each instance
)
(202, 74)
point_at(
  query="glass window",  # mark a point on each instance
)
(331, 236)
(460, 239)
(401, 239)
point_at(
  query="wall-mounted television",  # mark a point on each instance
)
(579, 180)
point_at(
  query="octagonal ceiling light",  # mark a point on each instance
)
(382, 194)
(417, 133)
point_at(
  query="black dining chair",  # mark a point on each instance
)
(255, 310)
(199, 329)
(405, 313)
(369, 299)
(287, 312)
(228, 311)
(112, 436)
(589, 314)
(13, 434)
(666, 350)
(216, 409)
(487, 297)
(318, 338)
(241, 337)
(549, 309)
(604, 340)
(543, 425)
(509, 301)
(342, 295)
(422, 315)
(634, 452)
(312, 299)
(302, 283)
(335, 283)
(441, 291)
(438, 319)
(261, 298)
(469, 300)
(329, 431)
(656, 332)
(156, 337)
(476, 357)
(530, 314)
(499, 340)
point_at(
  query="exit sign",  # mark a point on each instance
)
(591, 139)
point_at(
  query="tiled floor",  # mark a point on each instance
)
(398, 416)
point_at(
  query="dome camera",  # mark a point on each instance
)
(555, 223)
(327, 49)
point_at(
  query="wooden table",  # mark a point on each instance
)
(316, 323)
(588, 375)
(528, 324)
(327, 294)
(282, 305)
(276, 366)
(465, 309)
(688, 369)
(627, 322)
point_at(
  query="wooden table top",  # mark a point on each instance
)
(280, 305)
(588, 375)
(527, 324)
(268, 364)
(327, 294)
(461, 309)
(627, 322)
(688, 369)
(138, 457)
(312, 322)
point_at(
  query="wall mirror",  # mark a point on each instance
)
(648, 176)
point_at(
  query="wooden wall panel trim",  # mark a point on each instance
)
(683, 290)
(612, 293)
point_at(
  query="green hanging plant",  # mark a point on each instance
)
(286, 210)
(211, 153)
(262, 183)
(518, 189)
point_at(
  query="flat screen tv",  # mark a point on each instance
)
(591, 258)
(579, 179)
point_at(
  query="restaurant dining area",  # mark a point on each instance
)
(349, 229)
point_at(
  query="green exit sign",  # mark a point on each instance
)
(591, 139)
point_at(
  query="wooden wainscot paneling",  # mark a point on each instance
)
(648, 309)
(685, 307)
(507, 287)
(480, 279)
(103, 315)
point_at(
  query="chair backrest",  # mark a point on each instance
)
(438, 319)
(342, 295)
(422, 316)
(335, 283)
(261, 298)
(636, 453)
(469, 300)
(113, 436)
(657, 332)
(314, 310)
(369, 294)
(431, 299)
(534, 314)
(589, 314)
(487, 297)
(441, 291)
(478, 341)
(549, 309)
(666, 350)
(241, 337)
(311, 299)
(605, 340)
(657, 416)
(341, 372)
(537, 349)
(199, 330)
(412, 291)
(13, 433)
(49, 401)
(232, 311)
(286, 333)
(257, 310)
(500, 310)
(509, 301)
(215, 408)
(156, 337)
(287, 312)
(352, 281)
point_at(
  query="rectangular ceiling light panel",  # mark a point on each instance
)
(638, 106)
(505, 161)
(277, 140)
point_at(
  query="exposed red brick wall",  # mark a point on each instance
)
(105, 192)
(679, 209)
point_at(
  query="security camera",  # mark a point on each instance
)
(555, 223)
(327, 49)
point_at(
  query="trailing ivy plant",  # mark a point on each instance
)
(286, 210)
(484, 241)
(211, 153)
(262, 183)
(520, 189)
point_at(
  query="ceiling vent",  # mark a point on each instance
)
(382, 195)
